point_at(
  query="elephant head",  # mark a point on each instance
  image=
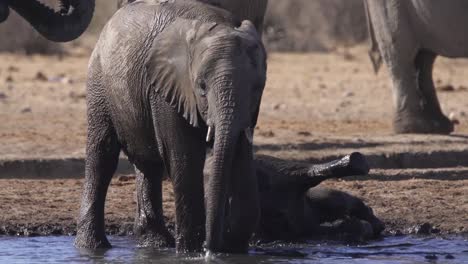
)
(61, 26)
(214, 75)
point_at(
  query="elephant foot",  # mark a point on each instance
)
(422, 124)
(154, 237)
(89, 240)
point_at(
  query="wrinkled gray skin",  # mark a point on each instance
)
(409, 35)
(65, 25)
(253, 10)
(292, 208)
(160, 75)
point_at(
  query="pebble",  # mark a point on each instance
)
(453, 118)
(40, 76)
(446, 88)
(26, 110)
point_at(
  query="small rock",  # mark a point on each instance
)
(9, 79)
(462, 88)
(446, 88)
(26, 110)
(453, 118)
(76, 96)
(348, 94)
(279, 107)
(13, 69)
(267, 134)
(322, 86)
(62, 78)
(3, 96)
(40, 76)
(304, 133)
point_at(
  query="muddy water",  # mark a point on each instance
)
(389, 250)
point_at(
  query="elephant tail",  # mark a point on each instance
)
(374, 53)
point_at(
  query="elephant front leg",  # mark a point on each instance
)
(101, 162)
(149, 222)
(190, 208)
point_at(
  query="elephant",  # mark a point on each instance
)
(166, 81)
(293, 208)
(66, 25)
(409, 35)
(253, 10)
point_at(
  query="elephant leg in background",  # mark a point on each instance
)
(417, 109)
(244, 208)
(182, 148)
(149, 222)
(424, 63)
(102, 156)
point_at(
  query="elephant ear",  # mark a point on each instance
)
(169, 66)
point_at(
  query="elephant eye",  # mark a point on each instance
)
(201, 87)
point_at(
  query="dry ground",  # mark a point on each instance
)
(310, 98)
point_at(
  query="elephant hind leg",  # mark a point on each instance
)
(102, 155)
(418, 109)
(433, 115)
(149, 222)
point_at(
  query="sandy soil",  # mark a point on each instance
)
(309, 98)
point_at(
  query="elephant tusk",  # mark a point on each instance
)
(249, 134)
(209, 135)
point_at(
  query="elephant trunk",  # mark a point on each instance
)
(228, 125)
(66, 25)
(217, 186)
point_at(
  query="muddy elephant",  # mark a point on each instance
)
(409, 35)
(293, 208)
(253, 10)
(162, 86)
(65, 25)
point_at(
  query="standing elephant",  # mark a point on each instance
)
(253, 10)
(66, 25)
(167, 80)
(409, 34)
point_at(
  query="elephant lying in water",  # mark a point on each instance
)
(67, 24)
(166, 80)
(409, 35)
(292, 208)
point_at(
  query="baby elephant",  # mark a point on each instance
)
(292, 208)
(166, 80)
